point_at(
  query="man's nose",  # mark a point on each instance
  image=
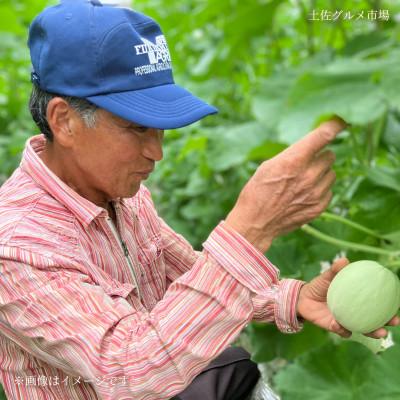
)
(152, 144)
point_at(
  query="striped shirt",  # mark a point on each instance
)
(89, 310)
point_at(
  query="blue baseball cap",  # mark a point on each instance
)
(114, 57)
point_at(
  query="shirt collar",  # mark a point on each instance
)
(84, 210)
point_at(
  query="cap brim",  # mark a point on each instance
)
(163, 107)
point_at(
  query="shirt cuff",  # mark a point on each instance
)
(285, 308)
(241, 259)
(253, 270)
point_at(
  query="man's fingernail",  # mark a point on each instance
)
(342, 122)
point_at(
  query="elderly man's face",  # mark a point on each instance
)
(114, 157)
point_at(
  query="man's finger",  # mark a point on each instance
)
(317, 139)
(335, 327)
(395, 321)
(336, 266)
(339, 264)
(325, 183)
(382, 332)
(322, 164)
(378, 333)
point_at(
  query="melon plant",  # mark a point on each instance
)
(364, 296)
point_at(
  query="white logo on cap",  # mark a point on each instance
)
(158, 53)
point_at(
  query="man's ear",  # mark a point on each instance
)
(62, 121)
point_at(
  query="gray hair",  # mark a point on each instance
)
(40, 99)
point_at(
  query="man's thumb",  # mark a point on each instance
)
(339, 264)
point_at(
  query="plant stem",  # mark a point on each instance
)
(379, 130)
(343, 244)
(393, 264)
(309, 27)
(355, 225)
(356, 146)
(373, 137)
(370, 145)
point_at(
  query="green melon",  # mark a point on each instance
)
(364, 296)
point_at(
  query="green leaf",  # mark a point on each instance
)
(367, 43)
(9, 21)
(288, 256)
(267, 342)
(385, 177)
(376, 207)
(331, 372)
(391, 81)
(393, 237)
(266, 151)
(230, 146)
(391, 134)
(324, 118)
(197, 184)
(384, 374)
(271, 96)
(345, 88)
(193, 143)
(198, 208)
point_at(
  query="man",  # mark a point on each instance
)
(99, 297)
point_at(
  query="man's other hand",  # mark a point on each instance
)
(312, 305)
(288, 190)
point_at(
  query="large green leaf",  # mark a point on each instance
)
(385, 177)
(392, 131)
(391, 80)
(345, 371)
(351, 96)
(376, 207)
(271, 95)
(288, 256)
(267, 342)
(367, 43)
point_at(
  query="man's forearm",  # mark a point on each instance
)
(251, 233)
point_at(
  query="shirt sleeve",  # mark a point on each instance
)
(60, 316)
(179, 254)
(273, 303)
(276, 304)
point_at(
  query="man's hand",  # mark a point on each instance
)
(288, 190)
(312, 305)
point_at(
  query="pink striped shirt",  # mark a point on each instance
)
(73, 324)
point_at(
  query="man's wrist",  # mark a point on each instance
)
(260, 241)
(240, 258)
(286, 317)
(299, 303)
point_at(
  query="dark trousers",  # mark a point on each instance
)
(231, 376)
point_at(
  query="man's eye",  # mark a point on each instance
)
(140, 129)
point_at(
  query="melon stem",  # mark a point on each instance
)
(355, 225)
(343, 244)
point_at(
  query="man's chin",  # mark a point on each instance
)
(133, 190)
(127, 192)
